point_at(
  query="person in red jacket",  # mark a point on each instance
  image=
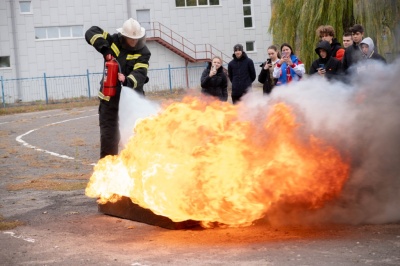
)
(327, 33)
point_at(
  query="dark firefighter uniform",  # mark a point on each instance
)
(134, 63)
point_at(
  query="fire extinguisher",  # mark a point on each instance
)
(110, 79)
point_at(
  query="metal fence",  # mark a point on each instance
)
(49, 89)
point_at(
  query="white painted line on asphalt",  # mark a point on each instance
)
(48, 116)
(27, 239)
(60, 114)
(26, 144)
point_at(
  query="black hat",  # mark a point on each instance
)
(238, 47)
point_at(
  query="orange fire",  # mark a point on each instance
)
(198, 160)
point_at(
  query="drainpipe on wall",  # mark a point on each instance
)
(15, 46)
(128, 8)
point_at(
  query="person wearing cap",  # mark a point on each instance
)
(128, 47)
(241, 73)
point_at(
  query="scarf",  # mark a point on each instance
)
(288, 73)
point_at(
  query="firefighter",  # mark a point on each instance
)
(128, 47)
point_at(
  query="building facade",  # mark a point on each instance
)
(47, 36)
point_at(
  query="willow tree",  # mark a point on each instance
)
(295, 22)
(381, 19)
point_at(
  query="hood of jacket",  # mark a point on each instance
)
(370, 44)
(327, 47)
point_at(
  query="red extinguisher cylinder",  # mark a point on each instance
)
(110, 78)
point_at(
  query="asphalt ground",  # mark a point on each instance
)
(46, 159)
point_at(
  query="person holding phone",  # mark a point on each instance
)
(214, 81)
(265, 77)
(289, 68)
(326, 65)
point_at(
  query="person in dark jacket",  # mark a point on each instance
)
(327, 33)
(353, 53)
(241, 73)
(267, 68)
(214, 81)
(326, 65)
(129, 49)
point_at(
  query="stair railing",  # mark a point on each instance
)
(199, 52)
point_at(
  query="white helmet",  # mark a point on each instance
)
(132, 29)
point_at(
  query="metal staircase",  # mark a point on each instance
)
(155, 31)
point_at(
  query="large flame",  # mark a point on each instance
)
(197, 160)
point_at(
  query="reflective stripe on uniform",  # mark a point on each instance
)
(103, 97)
(105, 34)
(131, 77)
(140, 65)
(115, 49)
(133, 56)
(94, 38)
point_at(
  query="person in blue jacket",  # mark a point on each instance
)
(289, 68)
(241, 72)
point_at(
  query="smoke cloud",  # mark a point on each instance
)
(132, 108)
(361, 120)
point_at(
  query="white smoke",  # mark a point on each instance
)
(133, 107)
(360, 118)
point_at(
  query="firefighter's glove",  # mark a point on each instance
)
(107, 53)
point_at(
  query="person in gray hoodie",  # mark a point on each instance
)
(368, 50)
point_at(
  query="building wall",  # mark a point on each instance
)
(6, 40)
(220, 26)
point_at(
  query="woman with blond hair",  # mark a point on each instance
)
(214, 81)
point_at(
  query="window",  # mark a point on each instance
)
(25, 7)
(247, 14)
(59, 32)
(250, 47)
(183, 3)
(4, 61)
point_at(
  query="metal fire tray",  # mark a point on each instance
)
(126, 209)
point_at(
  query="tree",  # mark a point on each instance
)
(295, 22)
